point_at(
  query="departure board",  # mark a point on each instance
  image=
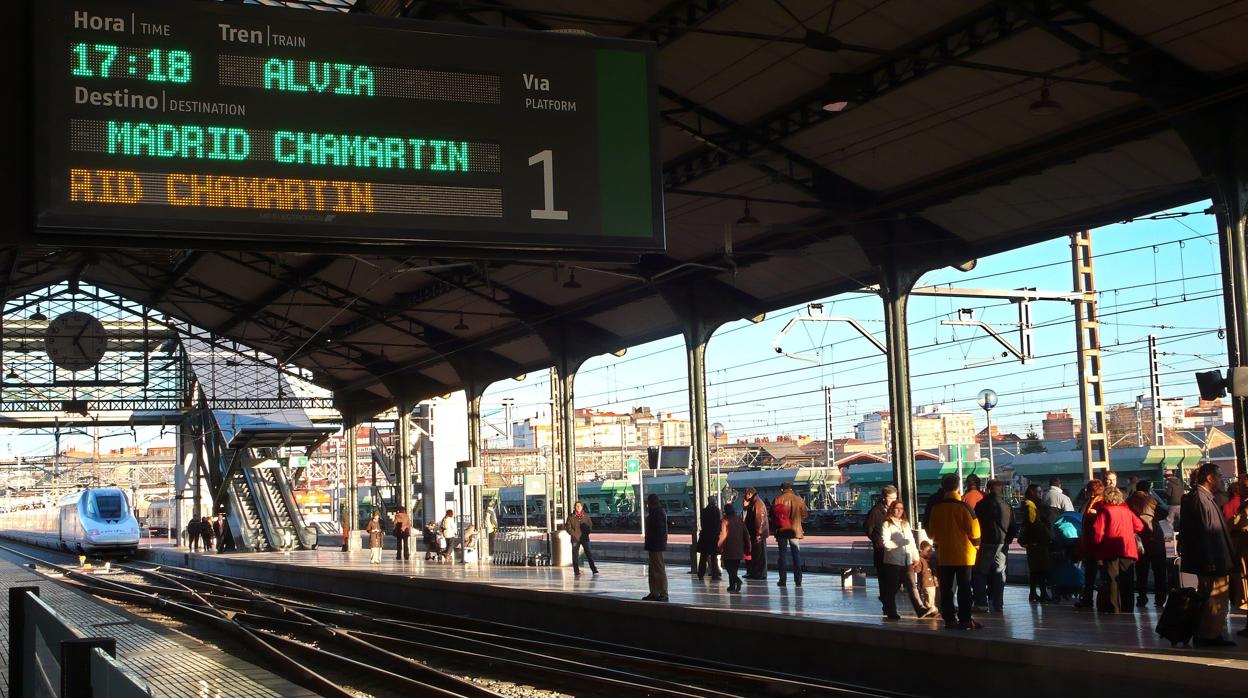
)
(191, 119)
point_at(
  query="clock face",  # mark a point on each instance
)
(75, 341)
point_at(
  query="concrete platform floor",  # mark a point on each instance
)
(820, 598)
(171, 663)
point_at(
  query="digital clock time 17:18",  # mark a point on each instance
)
(152, 65)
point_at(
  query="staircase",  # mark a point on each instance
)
(385, 463)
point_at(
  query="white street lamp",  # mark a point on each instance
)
(987, 400)
(717, 430)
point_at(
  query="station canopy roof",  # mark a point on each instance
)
(954, 129)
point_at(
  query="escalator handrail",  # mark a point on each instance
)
(305, 539)
(240, 523)
(261, 497)
(379, 454)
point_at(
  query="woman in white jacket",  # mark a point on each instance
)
(900, 555)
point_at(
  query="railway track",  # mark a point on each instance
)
(409, 650)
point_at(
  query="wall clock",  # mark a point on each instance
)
(75, 341)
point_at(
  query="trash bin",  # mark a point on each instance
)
(560, 549)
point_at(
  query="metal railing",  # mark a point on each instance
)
(49, 656)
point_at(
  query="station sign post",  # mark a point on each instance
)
(175, 122)
(534, 486)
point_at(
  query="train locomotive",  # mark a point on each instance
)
(98, 522)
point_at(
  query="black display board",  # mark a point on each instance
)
(226, 122)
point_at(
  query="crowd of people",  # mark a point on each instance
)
(210, 534)
(441, 538)
(726, 539)
(1105, 549)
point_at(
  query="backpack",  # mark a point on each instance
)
(780, 517)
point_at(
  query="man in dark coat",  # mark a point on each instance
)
(579, 527)
(656, 544)
(875, 520)
(708, 541)
(205, 532)
(997, 527)
(192, 534)
(1207, 552)
(756, 526)
(218, 532)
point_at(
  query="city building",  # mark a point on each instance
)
(875, 429)
(933, 425)
(937, 425)
(1209, 413)
(1059, 425)
(638, 428)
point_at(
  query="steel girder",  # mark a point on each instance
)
(287, 282)
(183, 267)
(959, 39)
(675, 20)
(201, 293)
(402, 381)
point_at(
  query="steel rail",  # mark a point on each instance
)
(210, 615)
(664, 664)
(306, 620)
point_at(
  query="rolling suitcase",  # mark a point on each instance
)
(1183, 606)
(1180, 616)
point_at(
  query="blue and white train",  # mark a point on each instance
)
(97, 521)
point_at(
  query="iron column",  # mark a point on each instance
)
(353, 487)
(896, 282)
(697, 335)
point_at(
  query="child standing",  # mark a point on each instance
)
(924, 577)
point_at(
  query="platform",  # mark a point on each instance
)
(820, 553)
(820, 629)
(172, 663)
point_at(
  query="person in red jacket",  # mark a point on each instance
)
(1093, 495)
(1113, 544)
(1238, 493)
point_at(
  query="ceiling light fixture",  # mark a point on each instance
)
(460, 325)
(747, 218)
(38, 316)
(1045, 105)
(12, 375)
(841, 91)
(571, 282)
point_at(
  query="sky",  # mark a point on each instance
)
(1153, 277)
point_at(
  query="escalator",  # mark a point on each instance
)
(247, 479)
(261, 500)
(287, 521)
(246, 523)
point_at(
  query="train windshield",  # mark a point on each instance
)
(109, 506)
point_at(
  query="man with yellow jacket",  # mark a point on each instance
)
(954, 530)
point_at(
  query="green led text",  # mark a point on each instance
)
(349, 150)
(181, 141)
(313, 76)
(108, 61)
